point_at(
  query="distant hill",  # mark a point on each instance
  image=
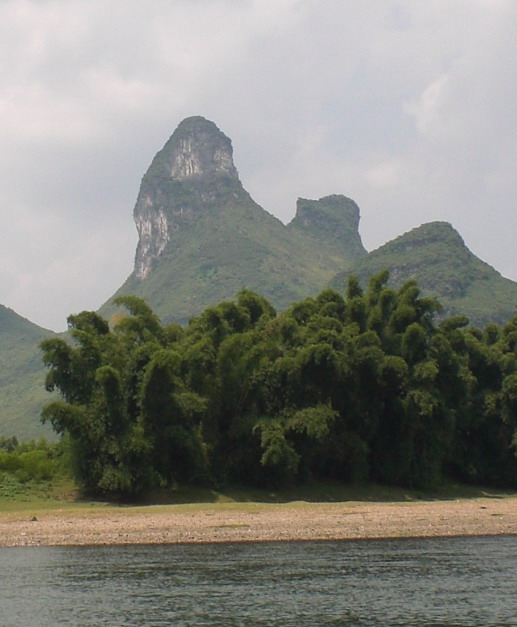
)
(436, 256)
(22, 392)
(202, 236)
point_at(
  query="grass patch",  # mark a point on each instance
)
(61, 493)
(16, 495)
(315, 492)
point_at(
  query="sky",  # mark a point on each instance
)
(409, 108)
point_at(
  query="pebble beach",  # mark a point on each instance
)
(259, 522)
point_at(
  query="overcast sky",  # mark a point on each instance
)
(408, 107)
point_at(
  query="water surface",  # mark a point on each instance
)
(453, 582)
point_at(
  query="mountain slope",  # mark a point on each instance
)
(436, 256)
(202, 237)
(22, 392)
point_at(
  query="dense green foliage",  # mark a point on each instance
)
(355, 388)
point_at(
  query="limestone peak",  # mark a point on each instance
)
(197, 148)
(334, 220)
(188, 176)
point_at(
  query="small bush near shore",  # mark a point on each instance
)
(31, 466)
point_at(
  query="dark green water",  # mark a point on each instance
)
(433, 582)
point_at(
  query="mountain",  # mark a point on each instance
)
(436, 256)
(22, 392)
(202, 237)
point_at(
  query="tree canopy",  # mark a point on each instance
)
(366, 386)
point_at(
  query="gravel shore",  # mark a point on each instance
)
(235, 522)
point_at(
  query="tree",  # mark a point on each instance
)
(354, 388)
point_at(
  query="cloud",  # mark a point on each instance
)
(407, 107)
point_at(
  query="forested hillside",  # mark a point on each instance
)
(436, 256)
(22, 374)
(357, 387)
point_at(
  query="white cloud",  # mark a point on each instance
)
(407, 107)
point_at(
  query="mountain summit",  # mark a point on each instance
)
(197, 154)
(197, 148)
(333, 221)
(202, 237)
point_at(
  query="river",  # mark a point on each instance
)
(453, 582)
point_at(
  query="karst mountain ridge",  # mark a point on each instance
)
(202, 238)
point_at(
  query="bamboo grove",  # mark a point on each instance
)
(369, 386)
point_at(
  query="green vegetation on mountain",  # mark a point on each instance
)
(358, 388)
(435, 255)
(21, 377)
(202, 237)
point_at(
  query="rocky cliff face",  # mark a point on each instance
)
(198, 148)
(171, 193)
(333, 220)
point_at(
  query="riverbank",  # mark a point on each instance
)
(258, 522)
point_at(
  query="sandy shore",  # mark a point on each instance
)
(236, 522)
